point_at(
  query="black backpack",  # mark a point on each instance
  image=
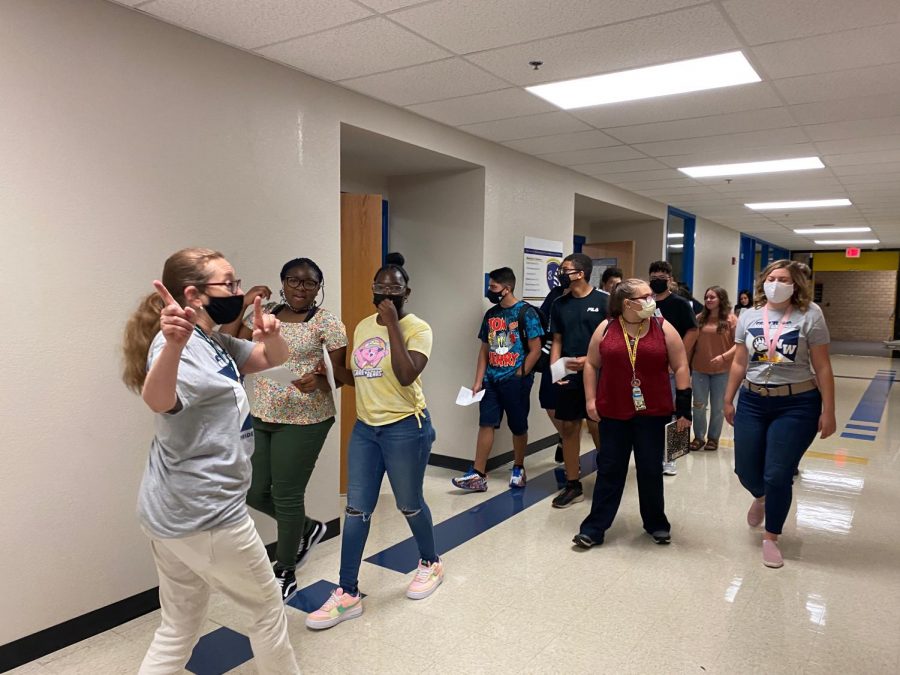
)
(543, 361)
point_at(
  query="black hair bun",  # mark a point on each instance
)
(394, 259)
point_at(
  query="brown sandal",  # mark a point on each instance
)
(712, 444)
(696, 444)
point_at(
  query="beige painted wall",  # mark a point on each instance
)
(647, 237)
(714, 246)
(122, 140)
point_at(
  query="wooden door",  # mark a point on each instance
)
(622, 251)
(361, 241)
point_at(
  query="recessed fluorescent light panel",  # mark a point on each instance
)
(676, 245)
(745, 168)
(675, 235)
(832, 230)
(808, 204)
(708, 72)
(846, 242)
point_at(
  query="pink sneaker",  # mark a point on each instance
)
(339, 607)
(426, 581)
(757, 513)
(771, 554)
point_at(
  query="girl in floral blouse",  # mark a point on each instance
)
(291, 422)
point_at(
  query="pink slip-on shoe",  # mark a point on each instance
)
(339, 607)
(426, 580)
(757, 513)
(771, 555)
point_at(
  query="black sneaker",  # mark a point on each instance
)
(570, 495)
(661, 537)
(309, 541)
(558, 456)
(583, 541)
(287, 582)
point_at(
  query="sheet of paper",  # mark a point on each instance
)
(559, 369)
(280, 374)
(329, 368)
(467, 397)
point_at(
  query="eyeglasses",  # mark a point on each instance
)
(566, 273)
(232, 286)
(642, 297)
(297, 282)
(381, 289)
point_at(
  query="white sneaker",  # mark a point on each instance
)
(669, 469)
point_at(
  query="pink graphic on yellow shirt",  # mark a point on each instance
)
(368, 356)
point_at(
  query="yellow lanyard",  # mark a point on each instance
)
(632, 350)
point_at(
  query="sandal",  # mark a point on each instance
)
(696, 444)
(712, 444)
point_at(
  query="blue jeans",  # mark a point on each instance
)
(711, 389)
(771, 433)
(401, 450)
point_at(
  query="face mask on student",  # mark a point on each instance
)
(777, 291)
(659, 285)
(648, 308)
(396, 299)
(224, 310)
(565, 280)
(494, 296)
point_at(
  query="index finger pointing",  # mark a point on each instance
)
(163, 292)
(257, 312)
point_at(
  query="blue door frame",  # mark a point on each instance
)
(690, 231)
(769, 252)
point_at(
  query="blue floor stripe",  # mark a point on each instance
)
(219, 651)
(862, 427)
(859, 437)
(404, 557)
(871, 405)
(312, 597)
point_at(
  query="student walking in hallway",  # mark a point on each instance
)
(510, 337)
(781, 341)
(192, 500)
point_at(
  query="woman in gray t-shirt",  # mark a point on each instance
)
(783, 370)
(192, 500)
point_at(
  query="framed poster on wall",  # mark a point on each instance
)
(541, 263)
(600, 266)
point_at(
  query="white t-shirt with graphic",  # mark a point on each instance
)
(790, 364)
(199, 470)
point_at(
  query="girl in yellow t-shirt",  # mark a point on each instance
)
(393, 435)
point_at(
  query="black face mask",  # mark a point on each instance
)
(659, 285)
(396, 299)
(494, 296)
(564, 280)
(225, 310)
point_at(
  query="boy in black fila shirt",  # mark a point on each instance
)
(573, 320)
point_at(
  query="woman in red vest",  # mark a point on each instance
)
(633, 403)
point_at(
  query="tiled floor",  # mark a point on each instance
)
(519, 598)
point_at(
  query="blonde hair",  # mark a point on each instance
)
(801, 297)
(187, 267)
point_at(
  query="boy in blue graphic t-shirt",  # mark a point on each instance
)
(509, 352)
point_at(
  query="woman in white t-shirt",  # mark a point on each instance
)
(783, 370)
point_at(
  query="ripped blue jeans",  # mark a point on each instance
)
(401, 450)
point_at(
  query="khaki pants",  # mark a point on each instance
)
(233, 561)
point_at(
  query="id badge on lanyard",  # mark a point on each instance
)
(637, 396)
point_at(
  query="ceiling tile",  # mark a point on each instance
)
(389, 5)
(358, 49)
(882, 126)
(495, 105)
(762, 21)
(727, 155)
(651, 175)
(843, 84)
(873, 178)
(594, 155)
(617, 167)
(464, 26)
(735, 142)
(526, 127)
(428, 82)
(681, 106)
(839, 51)
(866, 169)
(637, 184)
(262, 22)
(580, 140)
(688, 33)
(856, 108)
(715, 125)
(865, 144)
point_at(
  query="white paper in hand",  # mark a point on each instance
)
(467, 397)
(280, 374)
(559, 369)
(329, 368)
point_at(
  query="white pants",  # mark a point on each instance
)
(233, 561)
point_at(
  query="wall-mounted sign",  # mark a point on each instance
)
(853, 252)
(542, 260)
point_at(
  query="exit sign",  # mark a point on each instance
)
(853, 252)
